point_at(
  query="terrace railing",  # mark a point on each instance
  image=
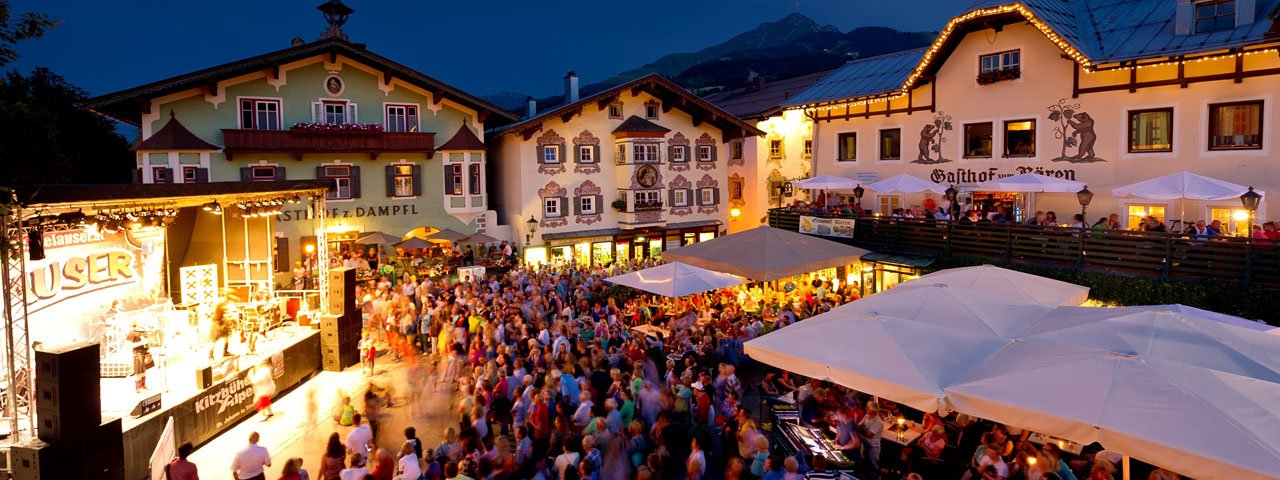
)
(1164, 255)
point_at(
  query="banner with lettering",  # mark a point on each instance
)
(87, 277)
(827, 227)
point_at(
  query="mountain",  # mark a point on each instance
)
(791, 46)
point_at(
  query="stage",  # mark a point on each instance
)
(201, 414)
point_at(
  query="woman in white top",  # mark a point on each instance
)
(409, 468)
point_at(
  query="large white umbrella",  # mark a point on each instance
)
(904, 183)
(826, 182)
(1002, 282)
(1191, 394)
(766, 254)
(676, 279)
(1221, 317)
(1183, 185)
(938, 304)
(1029, 183)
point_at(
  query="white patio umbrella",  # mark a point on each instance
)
(1221, 317)
(938, 304)
(1002, 282)
(1181, 186)
(902, 184)
(676, 279)
(1030, 183)
(766, 254)
(826, 182)
(1195, 395)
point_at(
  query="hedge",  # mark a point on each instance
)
(1121, 290)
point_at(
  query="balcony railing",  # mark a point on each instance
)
(646, 206)
(298, 142)
(1164, 255)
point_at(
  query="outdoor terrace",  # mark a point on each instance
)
(1163, 255)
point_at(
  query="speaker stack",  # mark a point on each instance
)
(340, 328)
(74, 441)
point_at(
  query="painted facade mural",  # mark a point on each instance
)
(1075, 129)
(932, 136)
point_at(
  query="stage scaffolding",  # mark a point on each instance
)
(19, 397)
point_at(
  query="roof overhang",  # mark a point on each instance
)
(124, 196)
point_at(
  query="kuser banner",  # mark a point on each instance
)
(827, 227)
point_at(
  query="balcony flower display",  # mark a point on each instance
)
(987, 78)
(338, 127)
(642, 205)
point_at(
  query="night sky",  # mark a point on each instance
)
(480, 46)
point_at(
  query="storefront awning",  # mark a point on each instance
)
(900, 260)
(699, 223)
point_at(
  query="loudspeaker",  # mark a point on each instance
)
(204, 377)
(342, 290)
(73, 361)
(38, 460)
(68, 391)
(147, 405)
(35, 244)
(104, 454)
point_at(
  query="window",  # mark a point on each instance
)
(775, 148)
(620, 154)
(340, 174)
(587, 205)
(586, 154)
(1215, 15)
(402, 118)
(258, 114)
(1235, 126)
(706, 196)
(848, 147)
(1151, 130)
(262, 174)
(977, 140)
(1020, 138)
(550, 154)
(678, 154)
(808, 148)
(735, 150)
(645, 152)
(453, 179)
(891, 144)
(615, 110)
(334, 112)
(1139, 212)
(735, 189)
(1233, 220)
(160, 175)
(551, 208)
(647, 198)
(995, 62)
(889, 203)
(680, 197)
(402, 181)
(706, 154)
(189, 174)
(473, 175)
(651, 111)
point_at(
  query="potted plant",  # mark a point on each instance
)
(619, 205)
(987, 78)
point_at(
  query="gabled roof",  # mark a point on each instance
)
(637, 124)
(762, 99)
(465, 139)
(671, 95)
(125, 104)
(173, 136)
(866, 77)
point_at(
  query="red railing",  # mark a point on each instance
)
(304, 141)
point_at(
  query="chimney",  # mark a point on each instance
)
(530, 107)
(297, 42)
(570, 87)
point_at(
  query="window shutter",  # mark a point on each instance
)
(564, 205)
(317, 113)
(319, 172)
(355, 182)
(353, 116)
(577, 153)
(391, 180)
(671, 197)
(562, 152)
(715, 196)
(577, 205)
(714, 152)
(671, 153)
(598, 203)
(448, 179)
(595, 155)
(417, 180)
(279, 174)
(246, 173)
(202, 175)
(168, 176)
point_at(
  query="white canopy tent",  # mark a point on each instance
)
(1030, 183)
(1182, 186)
(765, 254)
(1005, 283)
(1194, 395)
(826, 182)
(676, 280)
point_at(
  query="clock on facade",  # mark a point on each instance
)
(647, 176)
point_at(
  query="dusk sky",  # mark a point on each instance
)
(482, 47)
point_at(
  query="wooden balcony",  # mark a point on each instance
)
(299, 142)
(1164, 255)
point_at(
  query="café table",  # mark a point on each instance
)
(910, 433)
(1064, 445)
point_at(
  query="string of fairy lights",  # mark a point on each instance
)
(1067, 49)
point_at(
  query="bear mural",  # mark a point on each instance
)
(1074, 128)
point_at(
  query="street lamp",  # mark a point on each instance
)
(857, 195)
(533, 228)
(1250, 201)
(951, 194)
(1084, 196)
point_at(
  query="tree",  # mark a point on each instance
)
(47, 138)
(27, 26)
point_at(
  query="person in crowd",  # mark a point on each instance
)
(264, 387)
(251, 462)
(293, 470)
(181, 468)
(872, 427)
(334, 459)
(360, 438)
(408, 466)
(356, 471)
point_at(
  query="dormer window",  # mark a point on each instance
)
(999, 67)
(1215, 15)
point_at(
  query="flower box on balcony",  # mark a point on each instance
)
(987, 78)
(343, 128)
(647, 206)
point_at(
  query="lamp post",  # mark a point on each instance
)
(1250, 201)
(533, 228)
(1084, 196)
(857, 195)
(951, 194)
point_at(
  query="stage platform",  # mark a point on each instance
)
(201, 414)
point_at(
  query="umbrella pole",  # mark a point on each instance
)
(1124, 468)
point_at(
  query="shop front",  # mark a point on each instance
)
(606, 246)
(882, 271)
